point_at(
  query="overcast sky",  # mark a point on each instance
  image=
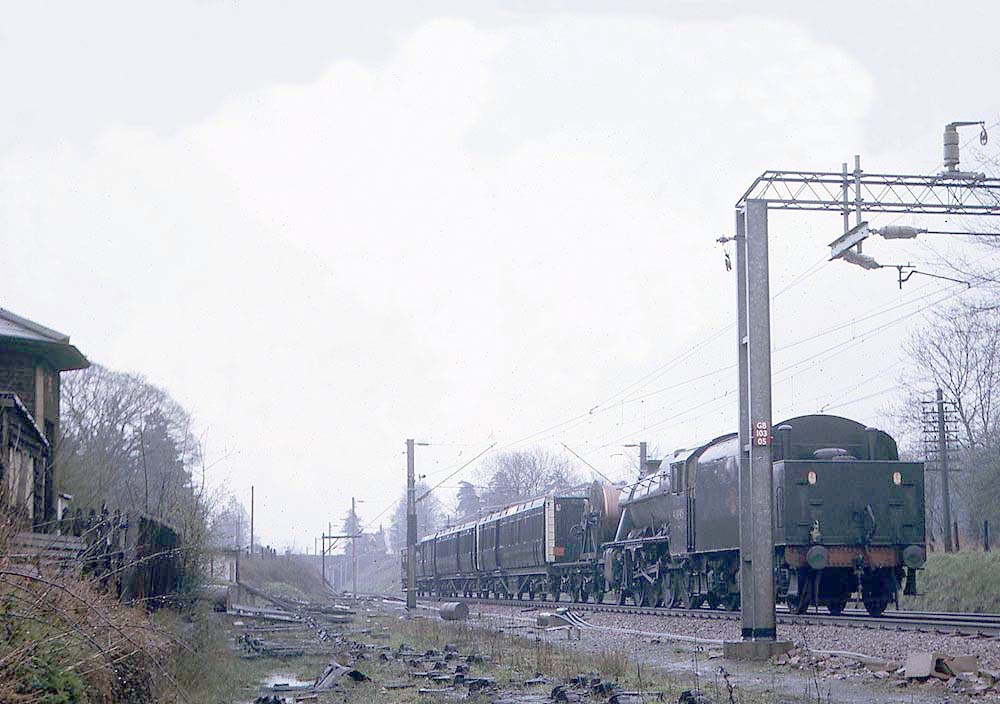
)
(326, 228)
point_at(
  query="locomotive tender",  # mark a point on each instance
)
(848, 519)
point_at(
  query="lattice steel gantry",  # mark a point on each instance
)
(952, 192)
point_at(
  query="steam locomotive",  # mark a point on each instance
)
(848, 522)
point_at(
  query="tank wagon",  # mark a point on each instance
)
(848, 519)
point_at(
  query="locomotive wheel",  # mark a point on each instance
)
(649, 594)
(681, 596)
(667, 593)
(801, 603)
(874, 605)
(836, 608)
(876, 593)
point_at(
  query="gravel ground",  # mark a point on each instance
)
(838, 679)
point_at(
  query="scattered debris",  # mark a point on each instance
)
(454, 611)
(334, 672)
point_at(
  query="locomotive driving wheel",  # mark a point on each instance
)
(650, 592)
(681, 596)
(667, 592)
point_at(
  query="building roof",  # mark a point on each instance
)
(28, 336)
(8, 399)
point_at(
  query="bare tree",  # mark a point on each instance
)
(430, 515)
(230, 524)
(516, 476)
(128, 444)
(958, 350)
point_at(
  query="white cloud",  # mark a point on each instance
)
(486, 234)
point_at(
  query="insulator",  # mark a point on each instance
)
(951, 147)
(899, 232)
(862, 260)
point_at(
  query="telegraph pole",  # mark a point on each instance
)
(354, 549)
(239, 540)
(411, 529)
(323, 560)
(943, 459)
(251, 520)
(642, 455)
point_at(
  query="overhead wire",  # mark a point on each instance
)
(606, 405)
(466, 464)
(837, 349)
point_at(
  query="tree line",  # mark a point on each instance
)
(127, 445)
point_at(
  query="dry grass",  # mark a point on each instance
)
(284, 575)
(963, 581)
(65, 640)
(515, 657)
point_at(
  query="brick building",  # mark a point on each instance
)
(31, 359)
(24, 456)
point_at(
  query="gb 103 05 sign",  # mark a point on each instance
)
(761, 433)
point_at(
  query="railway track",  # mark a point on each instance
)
(944, 623)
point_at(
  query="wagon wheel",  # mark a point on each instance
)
(584, 592)
(554, 589)
(731, 602)
(713, 600)
(836, 607)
